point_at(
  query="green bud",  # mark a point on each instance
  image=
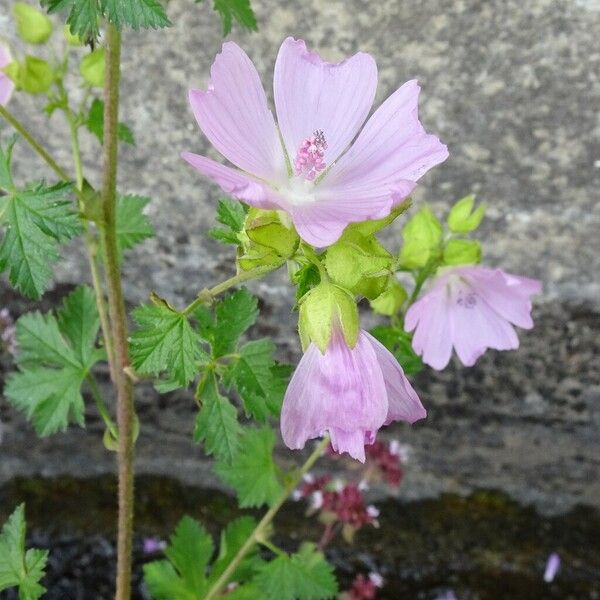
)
(265, 228)
(462, 252)
(34, 76)
(72, 39)
(257, 258)
(359, 263)
(33, 26)
(390, 301)
(422, 236)
(324, 307)
(92, 68)
(462, 218)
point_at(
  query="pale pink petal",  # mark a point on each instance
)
(391, 151)
(429, 318)
(523, 285)
(312, 94)
(403, 402)
(233, 182)
(341, 391)
(234, 115)
(6, 84)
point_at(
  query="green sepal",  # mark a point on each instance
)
(33, 26)
(422, 235)
(390, 300)
(325, 306)
(462, 218)
(34, 75)
(370, 227)
(462, 252)
(91, 68)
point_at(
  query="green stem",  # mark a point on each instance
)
(264, 523)
(208, 295)
(101, 406)
(18, 126)
(118, 318)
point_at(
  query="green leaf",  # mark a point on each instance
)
(82, 18)
(95, 124)
(147, 14)
(305, 575)
(20, 568)
(182, 576)
(462, 218)
(217, 423)
(234, 315)
(306, 277)
(6, 180)
(133, 226)
(253, 472)
(55, 355)
(232, 214)
(35, 219)
(398, 342)
(165, 342)
(238, 10)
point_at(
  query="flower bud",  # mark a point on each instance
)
(34, 76)
(389, 302)
(324, 307)
(462, 218)
(462, 252)
(33, 26)
(92, 68)
(422, 236)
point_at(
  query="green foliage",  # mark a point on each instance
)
(305, 575)
(133, 226)
(35, 218)
(398, 342)
(165, 342)
(253, 472)
(19, 567)
(95, 124)
(422, 237)
(83, 16)
(462, 218)
(305, 278)
(33, 26)
(235, 10)
(233, 538)
(462, 252)
(55, 356)
(232, 214)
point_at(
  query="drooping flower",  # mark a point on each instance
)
(304, 165)
(471, 309)
(6, 84)
(349, 393)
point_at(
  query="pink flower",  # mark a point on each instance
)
(471, 309)
(310, 171)
(6, 84)
(348, 392)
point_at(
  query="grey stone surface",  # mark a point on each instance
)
(513, 89)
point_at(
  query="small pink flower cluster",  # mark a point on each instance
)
(310, 158)
(365, 588)
(388, 462)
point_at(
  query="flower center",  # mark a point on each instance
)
(466, 299)
(309, 158)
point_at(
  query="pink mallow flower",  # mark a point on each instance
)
(6, 84)
(311, 171)
(349, 392)
(471, 309)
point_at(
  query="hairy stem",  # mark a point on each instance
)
(118, 318)
(257, 534)
(208, 295)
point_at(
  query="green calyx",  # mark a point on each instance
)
(33, 26)
(34, 75)
(422, 236)
(265, 240)
(390, 300)
(327, 306)
(462, 218)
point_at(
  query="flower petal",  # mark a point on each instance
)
(6, 84)
(234, 115)
(312, 94)
(391, 151)
(403, 402)
(341, 391)
(233, 182)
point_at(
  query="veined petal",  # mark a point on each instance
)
(312, 94)
(233, 182)
(234, 115)
(403, 402)
(391, 151)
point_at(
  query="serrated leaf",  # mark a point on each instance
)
(234, 315)
(232, 214)
(165, 342)
(147, 14)
(20, 568)
(217, 423)
(133, 226)
(253, 472)
(305, 575)
(82, 18)
(182, 576)
(54, 357)
(95, 124)
(35, 220)
(238, 10)
(305, 278)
